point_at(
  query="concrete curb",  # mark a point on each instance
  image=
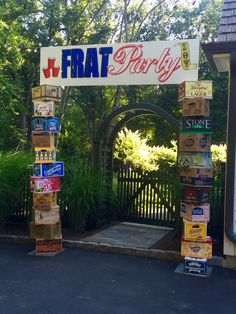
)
(104, 247)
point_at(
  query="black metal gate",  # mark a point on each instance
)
(149, 197)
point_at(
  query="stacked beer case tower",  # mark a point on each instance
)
(196, 175)
(45, 182)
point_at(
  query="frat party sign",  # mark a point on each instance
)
(162, 62)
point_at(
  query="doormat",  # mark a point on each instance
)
(130, 235)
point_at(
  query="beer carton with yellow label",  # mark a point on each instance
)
(197, 249)
(195, 231)
(194, 89)
(45, 155)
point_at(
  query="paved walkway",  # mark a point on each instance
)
(84, 282)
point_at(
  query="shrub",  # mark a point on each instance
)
(15, 169)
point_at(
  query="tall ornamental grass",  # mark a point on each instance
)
(83, 191)
(15, 169)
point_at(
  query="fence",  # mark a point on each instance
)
(148, 198)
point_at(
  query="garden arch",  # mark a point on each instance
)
(103, 159)
(107, 132)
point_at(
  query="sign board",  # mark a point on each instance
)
(141, 63)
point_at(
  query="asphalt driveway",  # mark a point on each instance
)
(84, 282)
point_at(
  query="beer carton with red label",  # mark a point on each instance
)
(48, 246)
(45, 185)
(195, 195)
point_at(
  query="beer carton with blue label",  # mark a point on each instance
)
(194, 143)
(46, 155)
(44, 109)
(199, 125)
(196, 176)
(197, 249)
(194, 160)
(195, 231)
(196, 107)
(49, 170)
(195, 89)
(46, 92)
(195, 266)
(195, 213)
(195, 195)
(42, 139)
(44, 124)
(45, 232)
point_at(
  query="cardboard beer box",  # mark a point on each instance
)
(44, 201)
(197, 249)
(194, 160)
(49, 170)
(196, 107)
(193, 212)
(194, 143)
(195, 231)
(200, 125)
(46, 92)
(43, 139)
(45, 124)
(195, 195)
(44, 109)
(46, 217)
(44, 247)
(195, 266)
(45, 232)
(46, 155)
(193, 89)
(44, 185)
(196, 176)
